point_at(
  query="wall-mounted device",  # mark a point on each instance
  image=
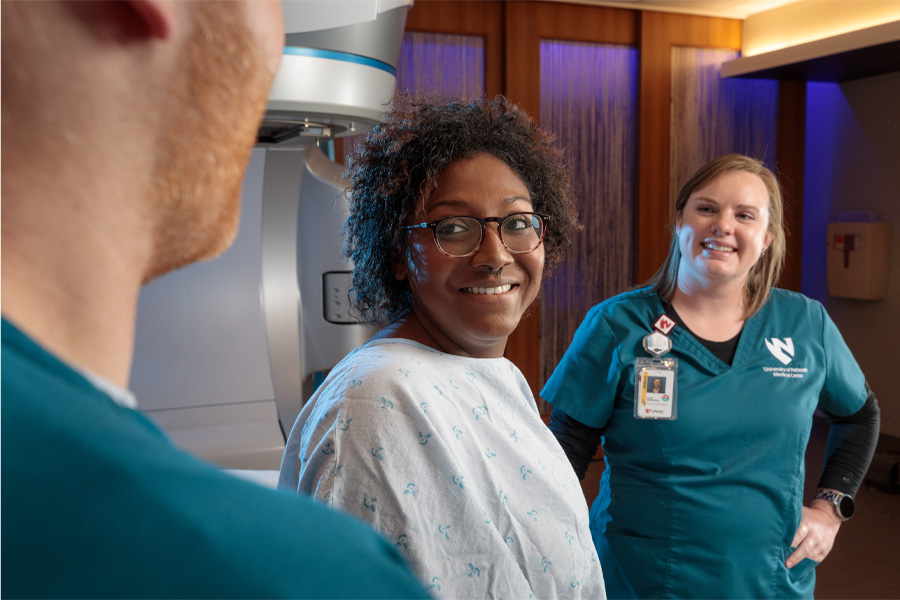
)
(858, 256)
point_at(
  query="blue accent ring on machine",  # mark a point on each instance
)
(343, 56)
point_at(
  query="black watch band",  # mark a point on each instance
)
(843, 503)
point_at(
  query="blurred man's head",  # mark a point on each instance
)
(127, 127)
(167, 95)
(217, 98)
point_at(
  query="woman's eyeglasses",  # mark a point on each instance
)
(461, 236)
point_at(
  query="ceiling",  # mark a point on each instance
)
(732, 9)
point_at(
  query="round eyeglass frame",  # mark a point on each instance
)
(483, 222)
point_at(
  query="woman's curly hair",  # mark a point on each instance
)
(396, 169)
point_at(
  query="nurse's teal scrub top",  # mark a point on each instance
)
(706, 505)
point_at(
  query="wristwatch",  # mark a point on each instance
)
(843, 503)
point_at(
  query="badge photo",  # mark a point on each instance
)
(654, 388)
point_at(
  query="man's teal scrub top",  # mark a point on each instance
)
(97, 503)
(706, 505)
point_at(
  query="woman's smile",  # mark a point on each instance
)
(490, 291)
(464, 302)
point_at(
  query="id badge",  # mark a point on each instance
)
(655, 394)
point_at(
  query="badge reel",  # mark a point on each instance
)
(654, 386)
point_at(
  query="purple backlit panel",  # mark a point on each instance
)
(450, 65)
(712, 116)
(589, 100)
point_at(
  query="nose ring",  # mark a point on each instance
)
(493, 272)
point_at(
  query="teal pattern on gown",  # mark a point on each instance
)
(449, 458)
(97, 503)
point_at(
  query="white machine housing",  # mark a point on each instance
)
(226, 350)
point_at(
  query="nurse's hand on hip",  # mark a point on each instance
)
(819, 525)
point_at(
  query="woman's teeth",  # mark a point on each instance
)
(718, 248)
(488, 290)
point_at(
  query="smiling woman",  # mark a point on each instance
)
(702, 388)
(470, 304)
(427, 432)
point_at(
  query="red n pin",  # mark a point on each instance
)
(664, 324)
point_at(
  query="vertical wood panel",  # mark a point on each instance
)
(482, 18)
(589, 99)
(658, 33)
(525, 25)
(711, 116)
(789, 168)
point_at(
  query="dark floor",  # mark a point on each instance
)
(865, 560)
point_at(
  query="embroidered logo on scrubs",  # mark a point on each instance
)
(783, 350)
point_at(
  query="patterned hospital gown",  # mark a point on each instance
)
(448, 457)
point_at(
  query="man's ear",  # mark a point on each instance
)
(157, 17)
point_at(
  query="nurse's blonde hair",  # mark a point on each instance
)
(766, 271)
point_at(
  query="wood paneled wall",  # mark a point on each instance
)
(525, 25)
(589, 100)
(466, 17)
(659, 32)
(513, 32)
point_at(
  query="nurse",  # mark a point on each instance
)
(702, 492)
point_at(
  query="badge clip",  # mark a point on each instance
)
(657, 343)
